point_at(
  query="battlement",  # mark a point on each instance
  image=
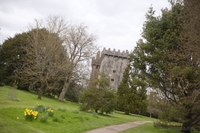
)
(108, 52)
(114, 53)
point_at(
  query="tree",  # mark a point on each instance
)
(80, 48)
(131, 92)
(99, 98)
(169, 64)
(186, 73)
(160, 107)
(122, 92)
(11, 58)
(74, 91)
(46, 61)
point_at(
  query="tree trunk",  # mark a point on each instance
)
(64, 90)
(186, 128)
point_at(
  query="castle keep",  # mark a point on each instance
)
(111, 63)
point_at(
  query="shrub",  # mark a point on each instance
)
(100, 100)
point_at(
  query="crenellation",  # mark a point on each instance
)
(114, 53)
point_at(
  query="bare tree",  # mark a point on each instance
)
(80, 48)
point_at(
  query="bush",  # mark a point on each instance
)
(100, 97)
(98, 100)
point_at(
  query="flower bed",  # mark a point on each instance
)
(30, 114)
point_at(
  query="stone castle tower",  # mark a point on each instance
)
(111, 63)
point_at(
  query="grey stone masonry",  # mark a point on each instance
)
(111, 63)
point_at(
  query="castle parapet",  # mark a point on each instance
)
(114, 53)
(108, 52)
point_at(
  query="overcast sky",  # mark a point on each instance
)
(115, 23)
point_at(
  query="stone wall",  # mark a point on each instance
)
(112, 63)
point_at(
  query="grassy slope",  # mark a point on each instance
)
(71, 120)
(149, 128)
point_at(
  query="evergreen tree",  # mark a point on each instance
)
(132, 92)
(12, 58)
(123, 101)
(168, 56)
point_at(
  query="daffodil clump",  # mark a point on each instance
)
(30, 114)
(50, 112)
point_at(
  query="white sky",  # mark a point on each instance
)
(115, 23)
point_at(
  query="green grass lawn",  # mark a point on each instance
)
(149, 128)
(70, 119)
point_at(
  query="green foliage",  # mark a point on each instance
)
(131, 93)
(100, 98)
(161, 108)
(11, 58)
(96, 99)
(161, 34)
(73, 92)
(152, 56)
(168, 56)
